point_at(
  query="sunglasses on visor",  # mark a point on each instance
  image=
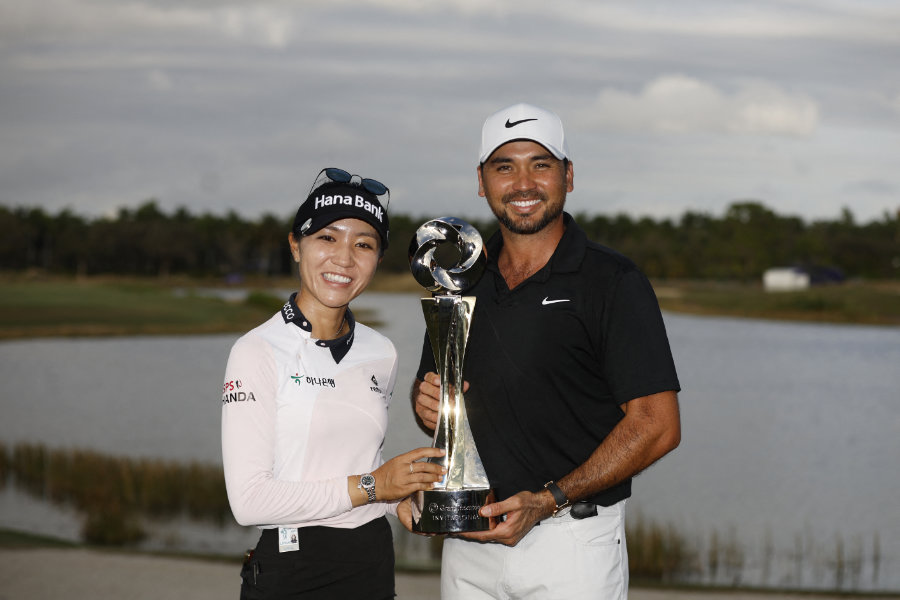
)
(335, 175)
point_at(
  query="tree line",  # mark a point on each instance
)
(148, 241)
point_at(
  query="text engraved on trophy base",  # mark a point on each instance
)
(445, 511)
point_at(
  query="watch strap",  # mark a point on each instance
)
(559, 497)
(367, 482)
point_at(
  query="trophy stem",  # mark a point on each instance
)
(451, 386)
(453, 504)
(447, 318)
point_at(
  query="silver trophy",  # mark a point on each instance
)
(446, 256)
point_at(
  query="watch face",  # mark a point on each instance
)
(367, 480)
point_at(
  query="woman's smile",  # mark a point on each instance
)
(336, 278)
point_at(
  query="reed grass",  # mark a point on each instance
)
(115, 494)
(4, 465)
(118, 496)
(658, 553)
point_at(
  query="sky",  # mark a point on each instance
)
(668, 107)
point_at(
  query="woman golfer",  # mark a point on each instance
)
(305, 410)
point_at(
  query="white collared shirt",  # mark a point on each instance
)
(297, 420)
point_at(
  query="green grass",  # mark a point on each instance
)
(875, 303)
(20, 539)
(118, 307)
(39, 307)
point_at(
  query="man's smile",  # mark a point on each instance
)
(525, 203)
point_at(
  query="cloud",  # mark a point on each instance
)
(233, 101)
(276, 23)
(265, 24)
(872, 22)
(681, 104)
(158, 80)
(810, 19)
(335, 135)
(877, 187)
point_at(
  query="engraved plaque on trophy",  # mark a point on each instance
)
(446, 256)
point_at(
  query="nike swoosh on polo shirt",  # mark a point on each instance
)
(547, 301)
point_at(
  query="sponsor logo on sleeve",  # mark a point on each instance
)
(376, 388)
(232, 391)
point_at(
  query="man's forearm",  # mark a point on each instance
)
(650, 429)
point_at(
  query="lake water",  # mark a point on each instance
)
(791, 437)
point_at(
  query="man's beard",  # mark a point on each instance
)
(524, 227)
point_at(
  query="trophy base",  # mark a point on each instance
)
(451, 511)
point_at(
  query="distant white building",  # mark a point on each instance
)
(785, 279)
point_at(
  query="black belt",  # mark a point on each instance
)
(581, 510)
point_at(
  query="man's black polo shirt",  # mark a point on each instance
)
(550, 361)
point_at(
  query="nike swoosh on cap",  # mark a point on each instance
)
(547, 301)
(519, 122)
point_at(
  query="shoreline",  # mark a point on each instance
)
(104, 306)
(82, 572)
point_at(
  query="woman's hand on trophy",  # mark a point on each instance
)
(426, 398)
(406, 473)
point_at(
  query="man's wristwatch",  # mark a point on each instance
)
(562, 501)
(367, 482)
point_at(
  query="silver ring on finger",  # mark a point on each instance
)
(410, 468)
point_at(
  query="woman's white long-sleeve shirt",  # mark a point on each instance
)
(300, 415)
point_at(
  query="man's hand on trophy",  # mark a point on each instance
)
(426, 399)
(522, 512)
(402, 475)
